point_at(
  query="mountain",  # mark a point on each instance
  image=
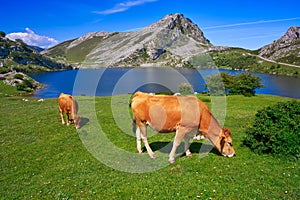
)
(18, 56)
(18, 59)
(36, 48)
(286, 49)
(172, 41)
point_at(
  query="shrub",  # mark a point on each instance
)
(276, 130)
(216, 85)
(185, 88)
(19, 76)
(26, 85)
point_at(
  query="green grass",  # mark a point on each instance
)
(7, 90)
(42, 159)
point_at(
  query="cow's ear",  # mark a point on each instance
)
(226, 132)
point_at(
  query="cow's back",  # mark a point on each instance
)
(65, 102)
(165, 113)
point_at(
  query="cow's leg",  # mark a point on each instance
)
(138, 140)
(187, 145)
(68, 119)
(180, 133)
(61, 116)
(143, 132)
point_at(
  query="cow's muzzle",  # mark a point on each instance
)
(230, 155)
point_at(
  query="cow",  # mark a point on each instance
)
(68, 105)
(185, 115)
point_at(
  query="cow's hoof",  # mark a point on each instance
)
(189, 155)
(153, 156)
(172, 162)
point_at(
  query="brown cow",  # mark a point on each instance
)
(188, 116)
(68, 105)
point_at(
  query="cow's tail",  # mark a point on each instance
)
(133, 116)
(133, 125)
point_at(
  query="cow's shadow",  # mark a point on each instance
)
(83, 121)
(195, 147)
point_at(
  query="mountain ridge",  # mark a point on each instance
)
(169, 42)
(172, 41)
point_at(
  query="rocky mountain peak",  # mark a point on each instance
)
(169, 21)
(293, 33)
(286, 49)
(182, 25)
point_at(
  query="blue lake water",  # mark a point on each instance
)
(113, 81)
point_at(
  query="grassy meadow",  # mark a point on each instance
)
(43, 159)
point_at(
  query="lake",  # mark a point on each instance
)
(113, 81)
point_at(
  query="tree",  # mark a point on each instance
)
(2, 34)
(225, 83)
(245, 84)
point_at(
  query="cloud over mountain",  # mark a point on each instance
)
(31, 38)
(121, 7)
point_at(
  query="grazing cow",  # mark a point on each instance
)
(68, 105)
(186, 115)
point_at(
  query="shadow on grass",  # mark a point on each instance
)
(196, 147)
(83, 121)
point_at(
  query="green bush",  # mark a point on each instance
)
(216, 85)
(276, 130)
(26, 85)
(185, 89)
(19, 76)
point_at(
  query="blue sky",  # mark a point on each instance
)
(247, 24)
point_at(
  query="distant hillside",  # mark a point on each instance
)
(172, 41)
(176, 41)
(242, 59)
(18, 56)
(286, 49)
(36, 48)
(18, 59)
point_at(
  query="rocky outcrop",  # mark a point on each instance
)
(87, 37)
(20, 80)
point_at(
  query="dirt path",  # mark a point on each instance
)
(266, 59)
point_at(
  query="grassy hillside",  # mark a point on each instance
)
(42, 159)
(18, 56)
(247, 60)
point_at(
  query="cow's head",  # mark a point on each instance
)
(226, 143)
(76, 121)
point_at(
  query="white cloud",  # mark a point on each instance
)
(31, 38)
(121, 7)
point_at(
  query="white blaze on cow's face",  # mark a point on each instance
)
(226, 143)
(76, 122)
